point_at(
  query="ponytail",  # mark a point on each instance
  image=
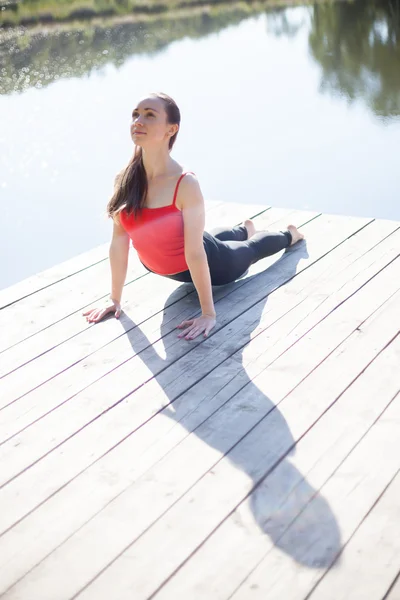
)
(131, 187)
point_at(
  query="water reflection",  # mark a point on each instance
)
(356, 44)
(37, 59)
(288, 22)
(358, 48)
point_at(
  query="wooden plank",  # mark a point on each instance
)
(371, 559)
(186, 522)
(117, 426)
(14, 385)
(13, 414)
(164, 484)
(145, 297)
(122, 378)
(52, 304)
(160, 484)
(351, 493)
(330, 274)
(394, 590)
(66, 269)
(256, 528)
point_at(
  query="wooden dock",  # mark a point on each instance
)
(262, 462)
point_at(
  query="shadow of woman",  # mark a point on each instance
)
(281, 496)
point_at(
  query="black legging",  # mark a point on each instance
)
(230, 253)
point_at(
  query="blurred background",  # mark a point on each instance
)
(284, 104)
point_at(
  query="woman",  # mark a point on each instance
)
(160, 208)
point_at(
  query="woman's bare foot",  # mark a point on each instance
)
(251, 229)
(296, 235)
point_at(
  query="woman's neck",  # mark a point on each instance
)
(157, 162)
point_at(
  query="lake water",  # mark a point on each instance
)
(298, 107)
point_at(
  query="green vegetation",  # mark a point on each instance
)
(28, 12)
(43, 11)
(37, 57)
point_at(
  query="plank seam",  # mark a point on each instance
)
(86, 356)
(69, 315)
(392, 585)
(45, 287)
(354, 262)
(315, 586)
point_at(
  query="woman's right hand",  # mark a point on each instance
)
(94, 315)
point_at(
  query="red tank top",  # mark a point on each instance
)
(157, 236)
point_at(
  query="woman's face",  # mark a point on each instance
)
(149, 126)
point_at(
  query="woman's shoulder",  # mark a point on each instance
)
(189, 179)
(189, 192)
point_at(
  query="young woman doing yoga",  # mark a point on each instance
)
(159, 207)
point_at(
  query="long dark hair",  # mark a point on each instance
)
(131, 183)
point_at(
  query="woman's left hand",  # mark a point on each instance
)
(195, 327)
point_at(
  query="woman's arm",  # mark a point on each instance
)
(118, 253)
(190, 199)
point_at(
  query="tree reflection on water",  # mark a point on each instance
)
(37, 58)
(356, 44)
(358, 48)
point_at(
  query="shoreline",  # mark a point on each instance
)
(141, 13)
